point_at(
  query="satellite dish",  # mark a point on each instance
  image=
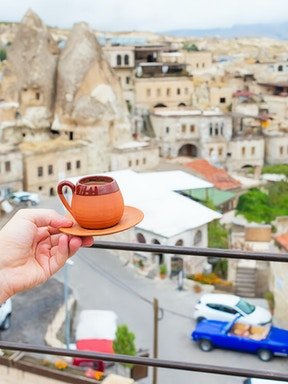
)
(165, 68)
(139, 71)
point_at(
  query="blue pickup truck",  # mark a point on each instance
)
(265, 341)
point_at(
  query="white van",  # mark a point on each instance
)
(5, 315)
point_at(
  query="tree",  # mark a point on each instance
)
(255, 206)
(3, 54)
(190, 47)
(217, 235)
(124, 343)
(264, 207)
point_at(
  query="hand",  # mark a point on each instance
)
(32, 249)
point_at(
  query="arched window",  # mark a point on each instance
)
(119, 60)
(140, 238)
(126, 60)
(179, 243)
(197, 238)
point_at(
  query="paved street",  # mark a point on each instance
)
(100, 280)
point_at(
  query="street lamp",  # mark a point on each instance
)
(67, 310)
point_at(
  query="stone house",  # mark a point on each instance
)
(195, 133)
(11, 170)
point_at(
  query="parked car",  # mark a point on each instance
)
(5, 315)
(265, 341)
(95, 331)
(251, 380)
(24, 197)
(225, 307)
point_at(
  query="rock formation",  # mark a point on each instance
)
(29, 76)
(88, 91)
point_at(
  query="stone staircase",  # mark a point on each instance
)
(245, 282)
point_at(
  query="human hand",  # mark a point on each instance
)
(33, 249)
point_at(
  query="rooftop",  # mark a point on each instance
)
(217, 176)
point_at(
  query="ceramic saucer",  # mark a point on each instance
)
(131, 217)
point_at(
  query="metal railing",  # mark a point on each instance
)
(160, 363)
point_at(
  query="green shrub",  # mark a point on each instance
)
(124, 343)
(3, 54)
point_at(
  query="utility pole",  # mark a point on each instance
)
(155, 341)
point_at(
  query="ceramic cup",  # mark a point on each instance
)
(96, 203)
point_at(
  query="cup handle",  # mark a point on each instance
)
(60, 187)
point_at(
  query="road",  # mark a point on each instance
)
(101, 281)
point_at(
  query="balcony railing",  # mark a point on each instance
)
(160, 363)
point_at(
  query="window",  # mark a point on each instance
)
(183, 128)
(40, 171)
(222, 129)
(130, 163)
(119, 60)
(168, 91)
(71, 136)
(144, 160)
(37, 95)
(243, 151)
(178, 91)
(198, 238)
(148, 92)
(280, 68)
(220, 151)
(210, 129)
(217, 129)
(137, 162)
(222, 100)
(68, 166)
(126, 60)
(78, 164)
(127, 79)
(50, 169)
(167, 129)
(203, 65)
(253, 151)
(281, 149)
(158, 92)
(8, 166)
(192, 128)
(210, 152)
(186, 91)
(140, 238)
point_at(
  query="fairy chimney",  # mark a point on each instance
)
(29, 76)
(88, 91)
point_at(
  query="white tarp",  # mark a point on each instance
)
(96, 324)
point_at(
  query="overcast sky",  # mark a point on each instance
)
(154, 15)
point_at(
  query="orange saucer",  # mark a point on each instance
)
(131, 217)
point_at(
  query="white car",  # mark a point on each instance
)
(225, 307)
(5, 315)
(25, 197)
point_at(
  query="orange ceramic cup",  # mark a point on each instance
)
(96, 203)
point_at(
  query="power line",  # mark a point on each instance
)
(116, 281)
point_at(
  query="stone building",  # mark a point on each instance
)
(11, 170)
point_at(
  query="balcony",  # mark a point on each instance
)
(154, 362)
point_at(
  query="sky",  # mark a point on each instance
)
(147, 15)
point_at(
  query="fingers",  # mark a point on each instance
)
(44, 217)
